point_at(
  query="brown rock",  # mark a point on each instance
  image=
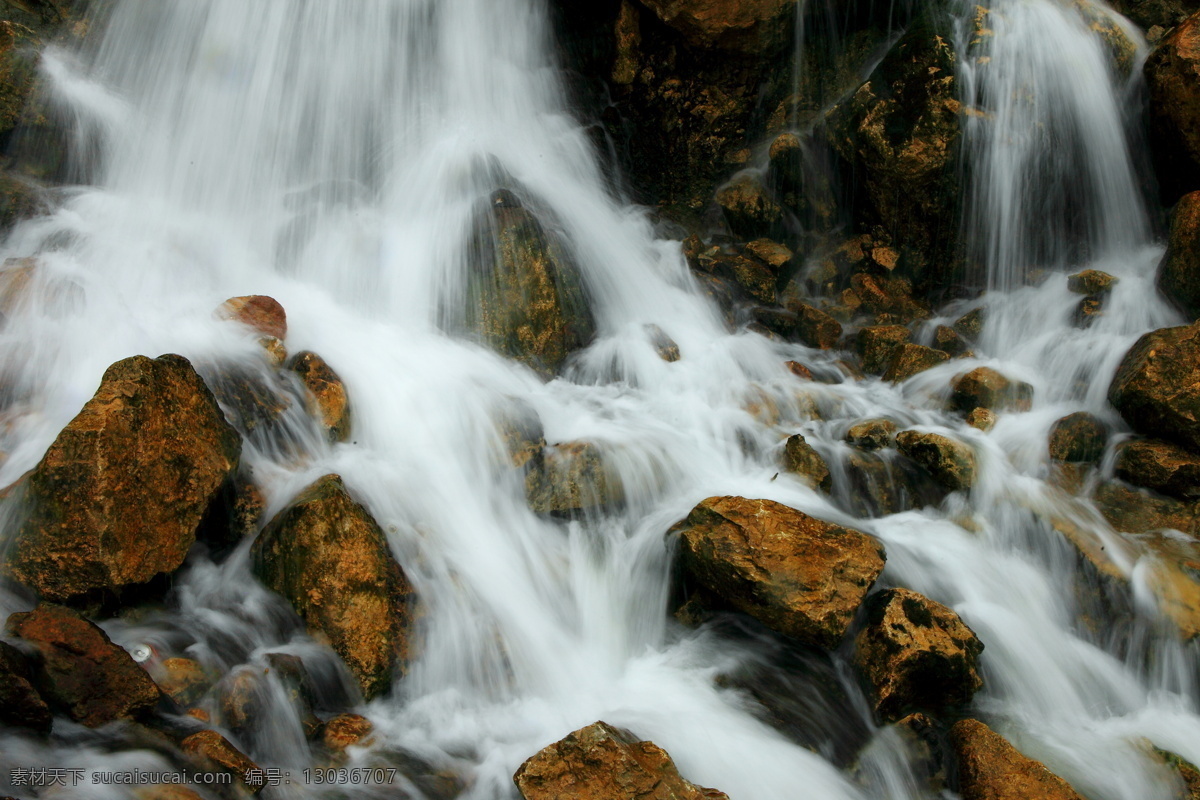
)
(119, 495)
(800, 458)
(753, 276)
(20, 704)
(877, 344)
(1078, 437)
(989, 768)
(814, 327)
(951, 463)
(799, 370)
(1188, 773)
(329, 558)
(796, 574)
(984, 387)
(183, 680)
(213, 752)
(601, 762)
(1161, 466)
(663, 344)
(874, 434)
(1171, 77)
(773, 254)
(915, 653)
(262, 313)
(572, 477)
(345, 730)
(983, 419)
(165, 791)
(328, 401)
(1090, 281)
(911, 359)
(969, 325)
(1157, 386)
(949, 342)
(749, 209)
(1179, 272)
(1133, 511)
(82, 672)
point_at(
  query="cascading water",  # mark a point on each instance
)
(333, 155)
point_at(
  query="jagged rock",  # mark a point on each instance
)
(916, 654)
(1161, 466)
(263, 314)
(983, 419)
(345, 730)
(753, 276)
(874, 434)
(989, 768)
(750, 27)
(773, 254)
(571, 478)
(253, 401)
(776, 321)
(119, 495)
(969, 325)
(910, 359)
(1157, 386)
(1171, 71)
(878, 343)
(1179, 272)
(165, 791)
(890, 299)
(328, 557)
(800, 458)
(814, 327)
(213, 752)
(81, 671)
(601, 762)
(20, 704)
(328, 401)
(1078, 437)
(663, 344)
(1152, 14)
(949, 341)
(184, 680)
(749, 209)
(984, 387)
(525, 294)
(796, 574)
(951, 463)
(1090, 281)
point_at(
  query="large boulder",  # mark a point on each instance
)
(330, 559)
(916, 654)
(120, 494)
(81, 672)
(1179, 272)
(989, 768)
(1173, 78)
(796, 574)
(601, 762)
(1157, 386)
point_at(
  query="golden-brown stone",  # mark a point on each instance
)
(329, 402)
(989, 768)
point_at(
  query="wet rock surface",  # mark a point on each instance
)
(800, 458)
(1157, 386)
(1078, 437)
(328, 401)
(912, 359)
(989, 768)
(20, 704)
(878, 343)
(1179, 272)
(259, 312)
(950, 462)
(984, 387)
(1171, 71)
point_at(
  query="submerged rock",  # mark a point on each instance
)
(328, 401)
(1179, 272)
(951, 463)
(1157, 386)
(120, 494)
(1090, 282)
(601, 762)
(796, 574)
(328, 557)
(800, 458)
(916, 654)
(211, 751)
(989, 768)
(572, 477)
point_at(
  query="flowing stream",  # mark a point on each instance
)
(331, 155)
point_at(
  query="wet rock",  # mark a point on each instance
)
(796, 574)
(874, 434)
(1133, 511)
(1078, 437)
(749, 209)
(328, 401)
(254, 403)
(526, 297)
(984, 387)
(81, 671)
(910, 359)
(601, 762)
(800, 458)
(916, 654)
(1179, 272)
(949, 341)
(1161, 466)
(753, 276)
(969, 325)
(573, 478)
(165, 791)
(20, 199)
(773, 254)
(890, 299)
(878, 343)
(20, 704)
(345, 730)
(328, 557)
(1090, 281)
(247, 695)
(663, 344)
(879, 485)
(799, 370)
(263, 314)
(212, 752)
(183, 680)
(1156, 14)
(814, 327)
(119, 495)
(1188, 773)
(1157, 386)
(951, 463)
(989, 768)
(1174, 105)
(776, 321)
(728, 24)
(983, 419)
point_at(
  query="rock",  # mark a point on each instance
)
(253, 399)
(663, 344)
(572, 478)
(796, 574)
(983, 419)
(1132, 511)
(753, 276)
(1161, 466)
(263, 314)
(949, 341)
(601, 762)
(814, 327)
(119, 495)
(951, 463)
(1157, 386)
(1171, 76)
(989, 768)
(1188, 773)
(911, 359)
(165, 791)
(81, 672)
(800, 458)
(879, 485)
(969, 325)
(345, 730)
(1179, 272)
(916, 654)
(328, 401)
(799, 370)
(890, 299)
(1090, 281)
(773, 254)
(20, 199)
(212, 752)
(328, 557)
(1078, 437)
(749, 209)
(748, 26)
(183, 680)
(20, 704)
(874, 434)
(877, 344)
(1152, 14)
(526, 297)
(984, 387)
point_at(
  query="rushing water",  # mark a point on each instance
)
(332, 154)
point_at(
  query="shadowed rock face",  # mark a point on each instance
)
(796, 574)
(601, 762)
(328, 401)
(119, 495)
(745, 25)
(20, 704)
(330, 559)
(1157, 386)
(951, 463)
(989, 768)
(1172, 72)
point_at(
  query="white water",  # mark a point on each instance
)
(331, 155)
